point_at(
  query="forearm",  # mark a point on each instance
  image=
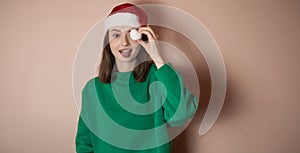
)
(83, 139)
(180, 105)
(158, 61)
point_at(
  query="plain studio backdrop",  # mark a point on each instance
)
(258, 39)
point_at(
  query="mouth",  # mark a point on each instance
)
(125, 52)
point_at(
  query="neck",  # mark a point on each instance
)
(125, 66)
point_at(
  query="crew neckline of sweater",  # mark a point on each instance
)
(123, 73)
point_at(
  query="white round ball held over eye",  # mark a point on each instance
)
(135, 35)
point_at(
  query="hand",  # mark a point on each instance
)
(151, 45)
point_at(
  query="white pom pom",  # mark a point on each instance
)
(135, 35)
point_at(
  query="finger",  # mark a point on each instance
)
(148, 33)
(140, 41)
(153, 33)
(150, 30)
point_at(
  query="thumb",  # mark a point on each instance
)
(140, 41)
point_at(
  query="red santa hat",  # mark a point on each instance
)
(126, 15)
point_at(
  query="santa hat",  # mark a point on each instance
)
(125, 15)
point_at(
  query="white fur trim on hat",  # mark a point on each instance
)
(121, 19)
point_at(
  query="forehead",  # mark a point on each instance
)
(121, 28)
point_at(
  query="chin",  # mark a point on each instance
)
(128, 59)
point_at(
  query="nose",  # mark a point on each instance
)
(124, 39)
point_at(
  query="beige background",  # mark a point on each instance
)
(258, 39)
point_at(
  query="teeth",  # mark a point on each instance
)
(125, 50)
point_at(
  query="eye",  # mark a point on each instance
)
(115, 35)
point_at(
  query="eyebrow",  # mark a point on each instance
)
(116, 30)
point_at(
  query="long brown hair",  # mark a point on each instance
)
(108, 61)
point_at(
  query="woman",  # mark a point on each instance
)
(128, 106)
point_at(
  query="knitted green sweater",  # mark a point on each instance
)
(127, 116)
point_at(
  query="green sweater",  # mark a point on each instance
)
(127, 116)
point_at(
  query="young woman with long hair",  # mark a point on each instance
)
(136, 95)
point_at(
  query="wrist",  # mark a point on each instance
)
(159, 62)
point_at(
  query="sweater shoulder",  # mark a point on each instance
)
(153, 68)
(90, 84)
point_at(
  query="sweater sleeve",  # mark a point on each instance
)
(83, 136)
(83, 139)
(180, 105)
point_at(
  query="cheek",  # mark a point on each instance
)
(136, 46)
(113, 45)
(137, 49)
(114, 50)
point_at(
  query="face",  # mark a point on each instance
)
(122, 46)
